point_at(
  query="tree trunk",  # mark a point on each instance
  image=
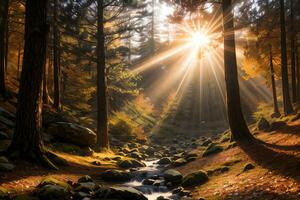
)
(153, 28)
(298, 72)
(275, 101)
(27, 142)
(3, 23)
(6, 41)
(293, 59)
(102, 126)
(46, 98)
(287, 105)
(19, 62)
(238, 126)
(56, 66)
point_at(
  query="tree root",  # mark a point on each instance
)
(39, 156)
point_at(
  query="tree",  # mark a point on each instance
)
(56, 63)
(272, 72)
(287, 105)
(238, 126)
(102, 109)
(3, 26)
(27, 142)
(293, 53)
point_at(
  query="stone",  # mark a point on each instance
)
(179, 162)
(248, 167)
(127, 164)
(148, 181)
(55, 182)
(276, 125)
(212, 149)
(53, 192)
(164, 161)
(206, 142)
(116, 176)
(124, 193)
(85, 179)
(85, 187)
(73, 134)
(195, 179)
(173, 176)
(263, 124)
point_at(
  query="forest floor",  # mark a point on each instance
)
(275, 175)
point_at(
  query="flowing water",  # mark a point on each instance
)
(150, 191)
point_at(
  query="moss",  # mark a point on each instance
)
(53, 181)
(195, 179)
(212, 149)
(248, 166)
(226, 137)
(231, 145)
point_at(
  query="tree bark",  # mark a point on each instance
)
(293, 56)
(3, 23)
(27, 142)
(102, 112)
(298, 73)
(275, 101)
(6, 41)
(238, 126)
(287, 105)
(56, 66)
(19, 62)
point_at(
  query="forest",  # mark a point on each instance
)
(149, 100)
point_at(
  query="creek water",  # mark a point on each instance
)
(150, 191)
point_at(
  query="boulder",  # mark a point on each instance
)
(164, 161)
(263, 124)
(116, 176)
(173, 176)
(53, 192)
(212, 149)
(127, 164)
(72, 133)
(122, 193)
(276, 125)
(86, 187)
(179, 162)
(248, 167)
(148, 181)
(52, 181)
(85, 179)
(195, 179)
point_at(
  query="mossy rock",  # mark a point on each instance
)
(218, 170)
(225, 137)
(53, 181)
(248, 167)
(212, 149)
(4, 193)
(53, 192)
(231, 145)
(195, 179)
(179, 162)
